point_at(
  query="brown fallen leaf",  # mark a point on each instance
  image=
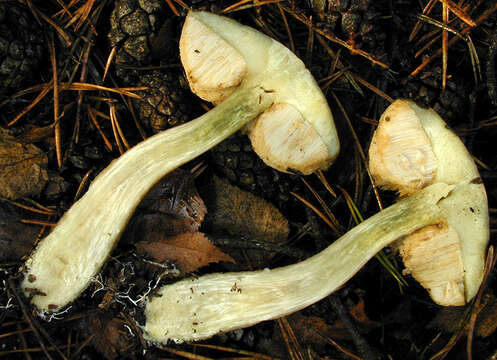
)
(171, 207)
(242, 215)
(16, 238)
(188, 251)
(110, 337)
(22, 169)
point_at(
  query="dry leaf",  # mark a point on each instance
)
(171, 207)
(188, 251)
(449, 318)
(16, 238)
(242, 214)
(22, 169)
(110, 337)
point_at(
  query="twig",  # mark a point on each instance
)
(489, 266)
(242, 243)
(359, 341)
(490, 70)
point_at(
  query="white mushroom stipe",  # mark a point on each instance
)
(65, 262)
(197, 308)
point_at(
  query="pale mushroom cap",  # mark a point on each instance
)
(213, 67)
(401, 157)
(266, 64)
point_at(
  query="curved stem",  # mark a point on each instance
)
(64, 263)
(197, 308)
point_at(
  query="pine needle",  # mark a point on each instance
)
(373, 88)
(337, 227)
(310, 44)
(331, 37)
(91, 87)
(55, 81)
(115, 131)
(38, 222)
(113, 118)
(292, 343)
(172, 7)
(464, 31)
(43, 211)
(240, 5)
(57, 28)
(109, 61)
(93, 118)
(445, 37)
(45, 89)
(458, 11)
(338, 63)
(184, 354)
(317, 211)
(323, 180)
(381, 257)
(82, 185)
(426, 11)
(236, 351)
(287, 27)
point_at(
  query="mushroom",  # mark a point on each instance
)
(412, 148)
(65, 262)
(452, 200)
(295, 134)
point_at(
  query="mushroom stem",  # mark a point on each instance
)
(197, 308)
(65, 262)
